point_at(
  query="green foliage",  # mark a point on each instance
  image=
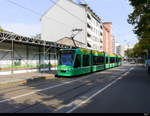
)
(137, 51)
(1, 30)
(140, 18)
(130, 53)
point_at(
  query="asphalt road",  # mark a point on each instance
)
(121, 89)
(131, 94)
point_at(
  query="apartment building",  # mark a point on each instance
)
(94, 31)
(68, 15)
(107, 38)
(113, 44)
(120, 49)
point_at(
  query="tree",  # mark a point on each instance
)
(130, 53)
(1, 30)
(140, 18)
(138, 50)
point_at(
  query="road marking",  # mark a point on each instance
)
(79, 103)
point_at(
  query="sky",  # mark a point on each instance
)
(27, 21)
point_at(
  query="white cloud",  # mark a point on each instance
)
(23, 29)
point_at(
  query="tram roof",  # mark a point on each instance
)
(112, 55)
(98, 53)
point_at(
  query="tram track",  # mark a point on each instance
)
(32, 85)
(65, 93)
(69, 89)
(39, 85)
(26, 86)
(21, 87)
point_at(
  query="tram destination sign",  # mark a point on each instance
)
(67, 52)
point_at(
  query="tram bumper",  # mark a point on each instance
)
(65, 71)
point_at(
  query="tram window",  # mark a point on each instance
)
(98, 60)
(117, 60)
(107, 62)
(101, 58)
(86, 60)
(95, 59)
(112, 60)
(77, 61)
(120, 60)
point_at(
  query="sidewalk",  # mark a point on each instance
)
(26, 77)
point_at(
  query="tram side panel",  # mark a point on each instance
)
(86, 63)
(107, 62)
(98, 63)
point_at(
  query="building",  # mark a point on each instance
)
(120, 49)
(107, 38)
(113, 44)
(70, 42)
(67, 15)
(19, 54)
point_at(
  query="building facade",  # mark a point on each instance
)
(120, 49)
(113, 44)
(70, 42)
(75, 16)
(19, 54)
(107, 38)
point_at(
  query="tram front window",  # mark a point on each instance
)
(66, 59)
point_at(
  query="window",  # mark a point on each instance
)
(88, 26)
(107, 62)
(112, 60)
(101, 60)
(89, 45)
(101, 34)
(66, 59)
(119, 60)
(98, 60)
(88, 16)
(86, 59)
(88, 35)
(101, 27)
(77, 61)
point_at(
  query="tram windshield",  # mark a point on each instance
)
(66, 59)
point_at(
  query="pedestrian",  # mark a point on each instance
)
(148, 65)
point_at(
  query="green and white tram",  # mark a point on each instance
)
(74, 62)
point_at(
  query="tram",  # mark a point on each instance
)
(75, 62)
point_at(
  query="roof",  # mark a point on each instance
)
(70, 39)
(98, 53)
(112, 55)
(9, 37)
(96, 16)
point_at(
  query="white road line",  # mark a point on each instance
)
(79, 103)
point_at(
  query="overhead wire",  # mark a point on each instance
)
(37, 13)
(52, 1)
